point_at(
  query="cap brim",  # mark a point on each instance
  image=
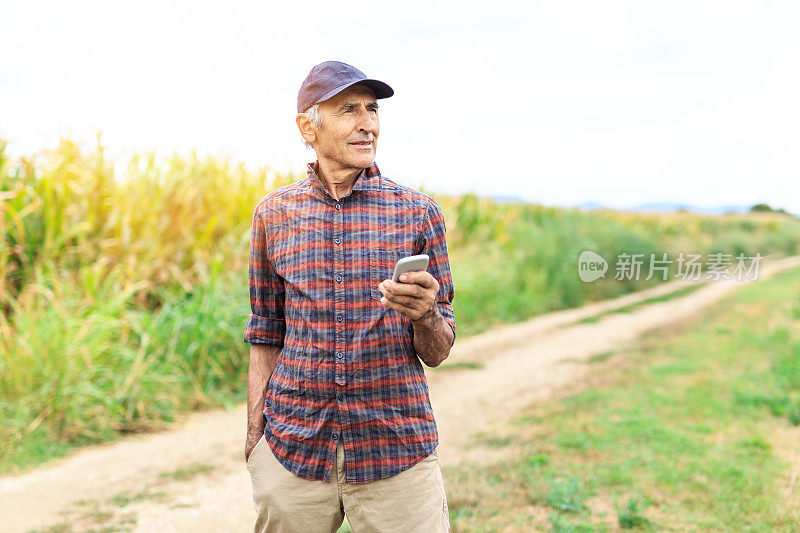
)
(380, 89)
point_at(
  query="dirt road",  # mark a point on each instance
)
(193, 478)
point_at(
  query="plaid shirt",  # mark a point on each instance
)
(347, 368)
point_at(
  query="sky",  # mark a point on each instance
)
(560, 103)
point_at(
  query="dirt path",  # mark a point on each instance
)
(193, 478)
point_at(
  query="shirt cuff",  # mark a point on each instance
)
(453, 327)
(263, 330)
(446, 310)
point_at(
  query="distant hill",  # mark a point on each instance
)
(508, 198)
(653, 207)
(669, 208)
(664, 207)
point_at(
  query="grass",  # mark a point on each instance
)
(678, 293)
(90, 371)
(630, 515)
(190, 472)
(109, 515)
(469, 365)
(124, 499)
(693, 432)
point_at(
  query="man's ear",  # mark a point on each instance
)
(307, 128)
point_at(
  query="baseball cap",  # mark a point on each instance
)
(332, 77)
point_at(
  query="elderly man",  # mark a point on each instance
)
(339, 417)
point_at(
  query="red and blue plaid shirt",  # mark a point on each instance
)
(347, 367)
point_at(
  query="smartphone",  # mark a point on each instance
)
(411, 263)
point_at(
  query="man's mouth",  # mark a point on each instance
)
(362, 144)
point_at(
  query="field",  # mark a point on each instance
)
(124, 293)
(696, 429)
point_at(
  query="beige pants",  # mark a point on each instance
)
(413, 500)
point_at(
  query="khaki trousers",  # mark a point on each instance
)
(413, 500)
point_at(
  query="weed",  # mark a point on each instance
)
(630, 515)
(188, 473)
(566, 495)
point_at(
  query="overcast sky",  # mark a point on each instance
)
(620, 103)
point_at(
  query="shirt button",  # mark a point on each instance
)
(337, 240)
(339, 355)
(338, 278)
(339, 318)
(338, 206)
(341, 397)
(335, 436)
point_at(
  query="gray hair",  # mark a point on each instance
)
(312, 113)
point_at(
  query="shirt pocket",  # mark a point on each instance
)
(368, 305)
(382, 260)
(388, 235)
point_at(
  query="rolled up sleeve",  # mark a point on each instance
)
(433, 242)
(266, 323)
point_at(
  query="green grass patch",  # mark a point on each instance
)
(678, 293)
(629, 516)
(601, 357)
(470, 365)
(125, 498)
(189, 472)
(683, 291)
(109, 515)
(692, 435)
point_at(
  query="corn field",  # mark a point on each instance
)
(123, 293)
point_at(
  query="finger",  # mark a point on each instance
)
(403, 310)
(413, 312)
(419, 277)
(410, 289)
(408, 301)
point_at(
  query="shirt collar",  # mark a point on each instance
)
(369, 178)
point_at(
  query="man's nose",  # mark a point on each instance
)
(367, 121)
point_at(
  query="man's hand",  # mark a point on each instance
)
(414, 297)
(249, 445)
(263, 358)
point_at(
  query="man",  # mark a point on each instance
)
(339, 417)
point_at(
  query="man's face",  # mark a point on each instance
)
(349, 135)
